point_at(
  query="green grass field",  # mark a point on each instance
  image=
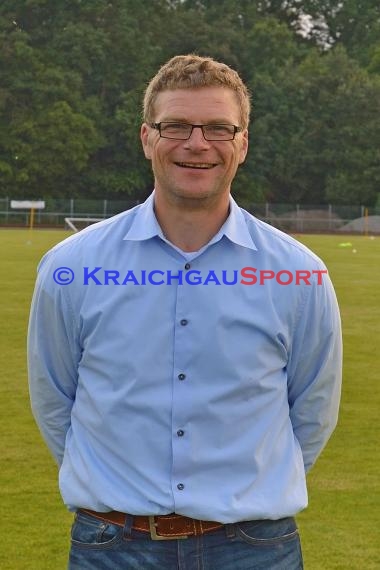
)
(340, 529)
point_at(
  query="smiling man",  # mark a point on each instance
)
(184, 417)
(196, 136)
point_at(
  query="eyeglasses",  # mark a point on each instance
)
(183, 131)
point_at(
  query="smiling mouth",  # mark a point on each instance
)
(195, 165)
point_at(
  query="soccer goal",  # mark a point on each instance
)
(77, 224)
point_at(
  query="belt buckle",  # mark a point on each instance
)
(155, 536)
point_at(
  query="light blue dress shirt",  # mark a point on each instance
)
(162, 383)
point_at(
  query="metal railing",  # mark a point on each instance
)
(287, 217)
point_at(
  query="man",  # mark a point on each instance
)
(185, 357)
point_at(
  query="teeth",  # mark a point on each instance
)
(195, 165)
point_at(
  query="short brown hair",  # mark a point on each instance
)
(193, 71)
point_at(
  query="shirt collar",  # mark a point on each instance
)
(146, 226)
(235, 227)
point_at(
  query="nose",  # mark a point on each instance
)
(197, 139)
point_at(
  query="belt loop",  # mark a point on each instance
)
(128, 526)
(230, 530)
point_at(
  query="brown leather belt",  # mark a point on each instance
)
(162, 527)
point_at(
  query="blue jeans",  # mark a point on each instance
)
(253, 545)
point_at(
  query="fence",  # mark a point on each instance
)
(287, 217)
(57, 209)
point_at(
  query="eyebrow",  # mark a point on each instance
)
(182, 120)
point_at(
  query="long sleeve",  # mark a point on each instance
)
(53, 355)
(315, 371)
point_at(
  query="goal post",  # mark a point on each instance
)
(77, 224)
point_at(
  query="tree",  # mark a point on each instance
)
(73, 75)
(326, 133)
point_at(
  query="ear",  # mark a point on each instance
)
(145, 140)
(244, 146)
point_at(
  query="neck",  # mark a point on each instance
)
(191, 224)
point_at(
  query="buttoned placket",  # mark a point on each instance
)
(181, 388)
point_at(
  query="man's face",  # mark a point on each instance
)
(195, 168)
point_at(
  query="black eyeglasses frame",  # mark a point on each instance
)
(157, 126)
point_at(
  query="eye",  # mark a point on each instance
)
(174, 128)
(221, 130)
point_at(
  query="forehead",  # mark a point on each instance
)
(198, 105)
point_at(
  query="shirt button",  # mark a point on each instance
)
(187, 266)
(181, 376)
(184, 322)
(180, 433)
(180, 486)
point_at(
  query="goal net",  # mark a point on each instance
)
(77, 224)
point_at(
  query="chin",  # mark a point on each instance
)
(196, 191)
(196, 194)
